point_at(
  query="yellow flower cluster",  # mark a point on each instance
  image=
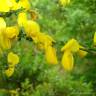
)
(9, 33)
(13, 60)
(71, 47)
(32, 29)
(7, 5)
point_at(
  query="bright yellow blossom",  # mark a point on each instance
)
(5, 5)
(72, 45)
(50, 54)
(9, 72)
(24, 4)
(5, 43)
(12, 32)
(45, 39)
(22, 19)
(15, 5)
(32, 28)
(13, 59)
(67, 61)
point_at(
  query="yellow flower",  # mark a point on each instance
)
(9, 72)
(5, 5)
(13, 59)
(64, 2)
(67, 61)
(45, 39)
(5, 43)
(72, 45)
(12, 32)
(15, 5)
(94, 39)
(32, 28)
(82, 53)
(24, 4)
(50, 54)
(22, 19)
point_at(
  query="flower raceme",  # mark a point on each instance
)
(69, 49)
(32, 29)
(13, 60)
(42, 39)
(45, 41)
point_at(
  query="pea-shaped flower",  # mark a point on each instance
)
(13, 59)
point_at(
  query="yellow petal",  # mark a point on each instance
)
(67, 61)
(12, 32)
(24, 4)
(5, 5)
(13, 59)
(22, 19)
(5, 43)
(9, 72)
(72, 45)
(45, 39)
(32, 28)
(15, 5)
(50, 54)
